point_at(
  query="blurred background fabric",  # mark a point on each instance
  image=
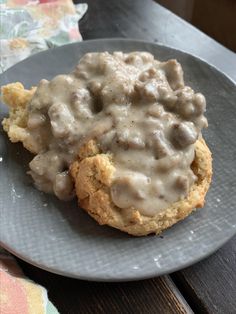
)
(19, 295)
(30, 26)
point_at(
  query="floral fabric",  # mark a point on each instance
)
(29, 26)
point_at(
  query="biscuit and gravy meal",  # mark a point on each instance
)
(121, 132)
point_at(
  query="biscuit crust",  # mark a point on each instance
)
(16, 97)
(93, 178)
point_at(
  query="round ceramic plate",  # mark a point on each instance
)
(62, 238)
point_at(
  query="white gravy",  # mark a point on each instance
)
(136, 108)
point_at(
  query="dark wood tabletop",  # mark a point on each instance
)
(210, 285)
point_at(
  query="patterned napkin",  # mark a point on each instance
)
(29, 26)
(19, 295)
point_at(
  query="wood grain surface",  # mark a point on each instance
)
(74, 296)
(210, 286)
(215, 18)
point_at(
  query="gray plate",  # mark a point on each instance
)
(61, 238)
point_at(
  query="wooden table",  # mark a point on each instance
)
(208, 286)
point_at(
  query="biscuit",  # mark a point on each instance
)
(16, 97)
(93, 178)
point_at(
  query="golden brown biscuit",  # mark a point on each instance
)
(93, 177)
(16, 97)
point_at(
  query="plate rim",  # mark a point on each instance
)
(130, 39)
(132, 276)
(93, 278)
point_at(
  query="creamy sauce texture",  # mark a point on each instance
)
(137, 109)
